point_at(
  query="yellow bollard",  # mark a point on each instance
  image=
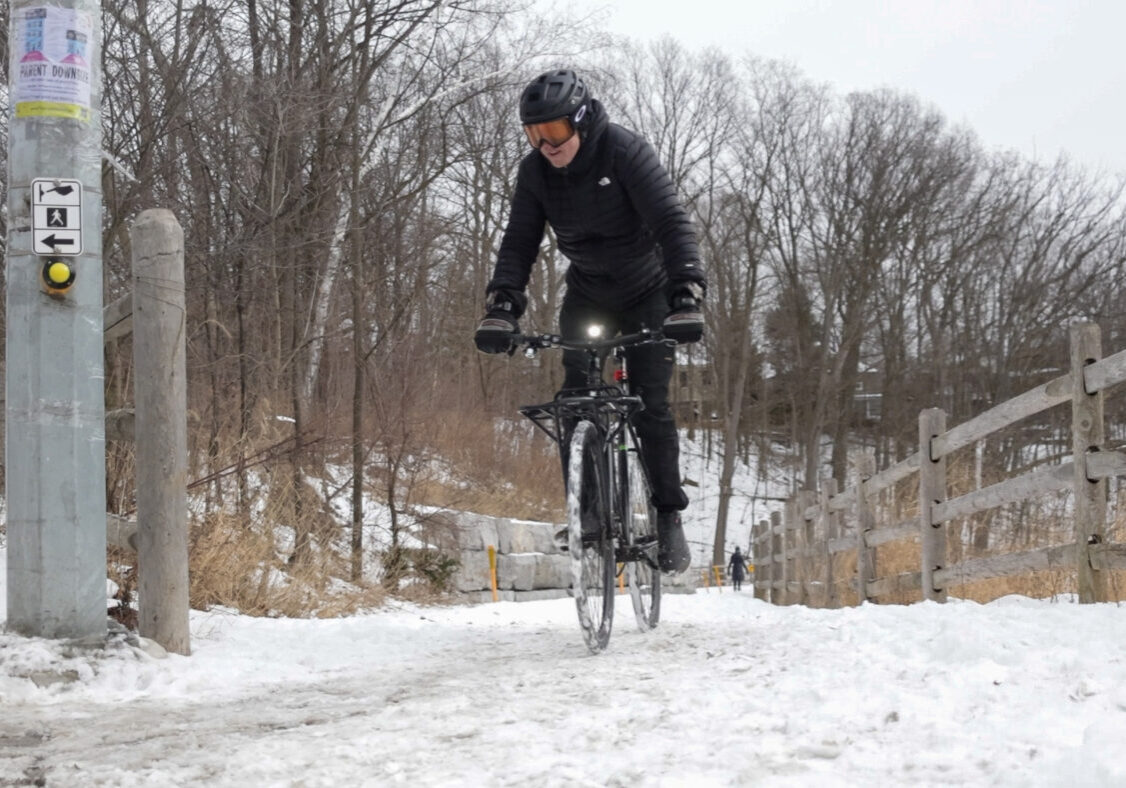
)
(493, 570)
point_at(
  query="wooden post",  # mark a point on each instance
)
(932, 490)
(752, 555)
(783, 575)
(759, 557)
(775, 557)
(1087, 435)
(828, 533)
(795, 585)
(804, 537)
(865, 522)
(793, 552)
(788, 575)
(160, 391)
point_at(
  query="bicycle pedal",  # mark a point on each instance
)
(563, 544)
(639, 551)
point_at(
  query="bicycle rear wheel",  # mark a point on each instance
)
(643, 575)
(592, 552)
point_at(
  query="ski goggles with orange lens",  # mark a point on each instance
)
(553, 132)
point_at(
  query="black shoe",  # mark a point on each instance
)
(673, 554)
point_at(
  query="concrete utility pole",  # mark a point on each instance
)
(55, 409)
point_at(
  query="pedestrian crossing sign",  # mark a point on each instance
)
(56, 216)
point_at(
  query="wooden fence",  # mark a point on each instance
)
(794, 552)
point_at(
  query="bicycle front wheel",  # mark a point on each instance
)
(590, 543)
(643, 576)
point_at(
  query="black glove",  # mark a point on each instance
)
(498, 330)
(685, 321)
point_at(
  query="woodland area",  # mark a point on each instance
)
(342, 172)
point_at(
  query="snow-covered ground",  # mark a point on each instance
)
(726, 691)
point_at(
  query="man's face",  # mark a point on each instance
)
(561, 155)
(557, 140)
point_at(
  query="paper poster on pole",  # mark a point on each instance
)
(52, 68)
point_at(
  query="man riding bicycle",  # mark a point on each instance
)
(634, 263)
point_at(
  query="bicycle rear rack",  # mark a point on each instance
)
(599, 404)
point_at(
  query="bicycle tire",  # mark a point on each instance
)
(643, 575)
(592, 555)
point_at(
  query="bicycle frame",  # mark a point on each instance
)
(610, 407)
(596, 419)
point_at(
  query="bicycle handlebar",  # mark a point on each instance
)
(534, 342)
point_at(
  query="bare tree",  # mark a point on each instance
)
(738, 234)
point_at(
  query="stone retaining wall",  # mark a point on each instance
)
(529, 565)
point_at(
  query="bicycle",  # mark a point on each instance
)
(607, 485)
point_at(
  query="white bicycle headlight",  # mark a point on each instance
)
(594, 331)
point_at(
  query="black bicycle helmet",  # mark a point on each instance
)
(555, 94)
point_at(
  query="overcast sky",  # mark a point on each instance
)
(1038, 76)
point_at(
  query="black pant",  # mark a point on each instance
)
(650, 368)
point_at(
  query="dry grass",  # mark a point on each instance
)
(903, 558)
(250, 563)
(1038, 585)
(120, 570)
(507, 471)
(237, 564)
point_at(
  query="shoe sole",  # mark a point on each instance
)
(673, 567)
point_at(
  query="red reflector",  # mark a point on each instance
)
(619, 375)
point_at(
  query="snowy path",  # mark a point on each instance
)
(728, 691)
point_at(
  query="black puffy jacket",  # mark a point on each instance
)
(611, 209)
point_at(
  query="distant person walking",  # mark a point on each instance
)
(737, 569)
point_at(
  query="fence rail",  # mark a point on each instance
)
(794, 551)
